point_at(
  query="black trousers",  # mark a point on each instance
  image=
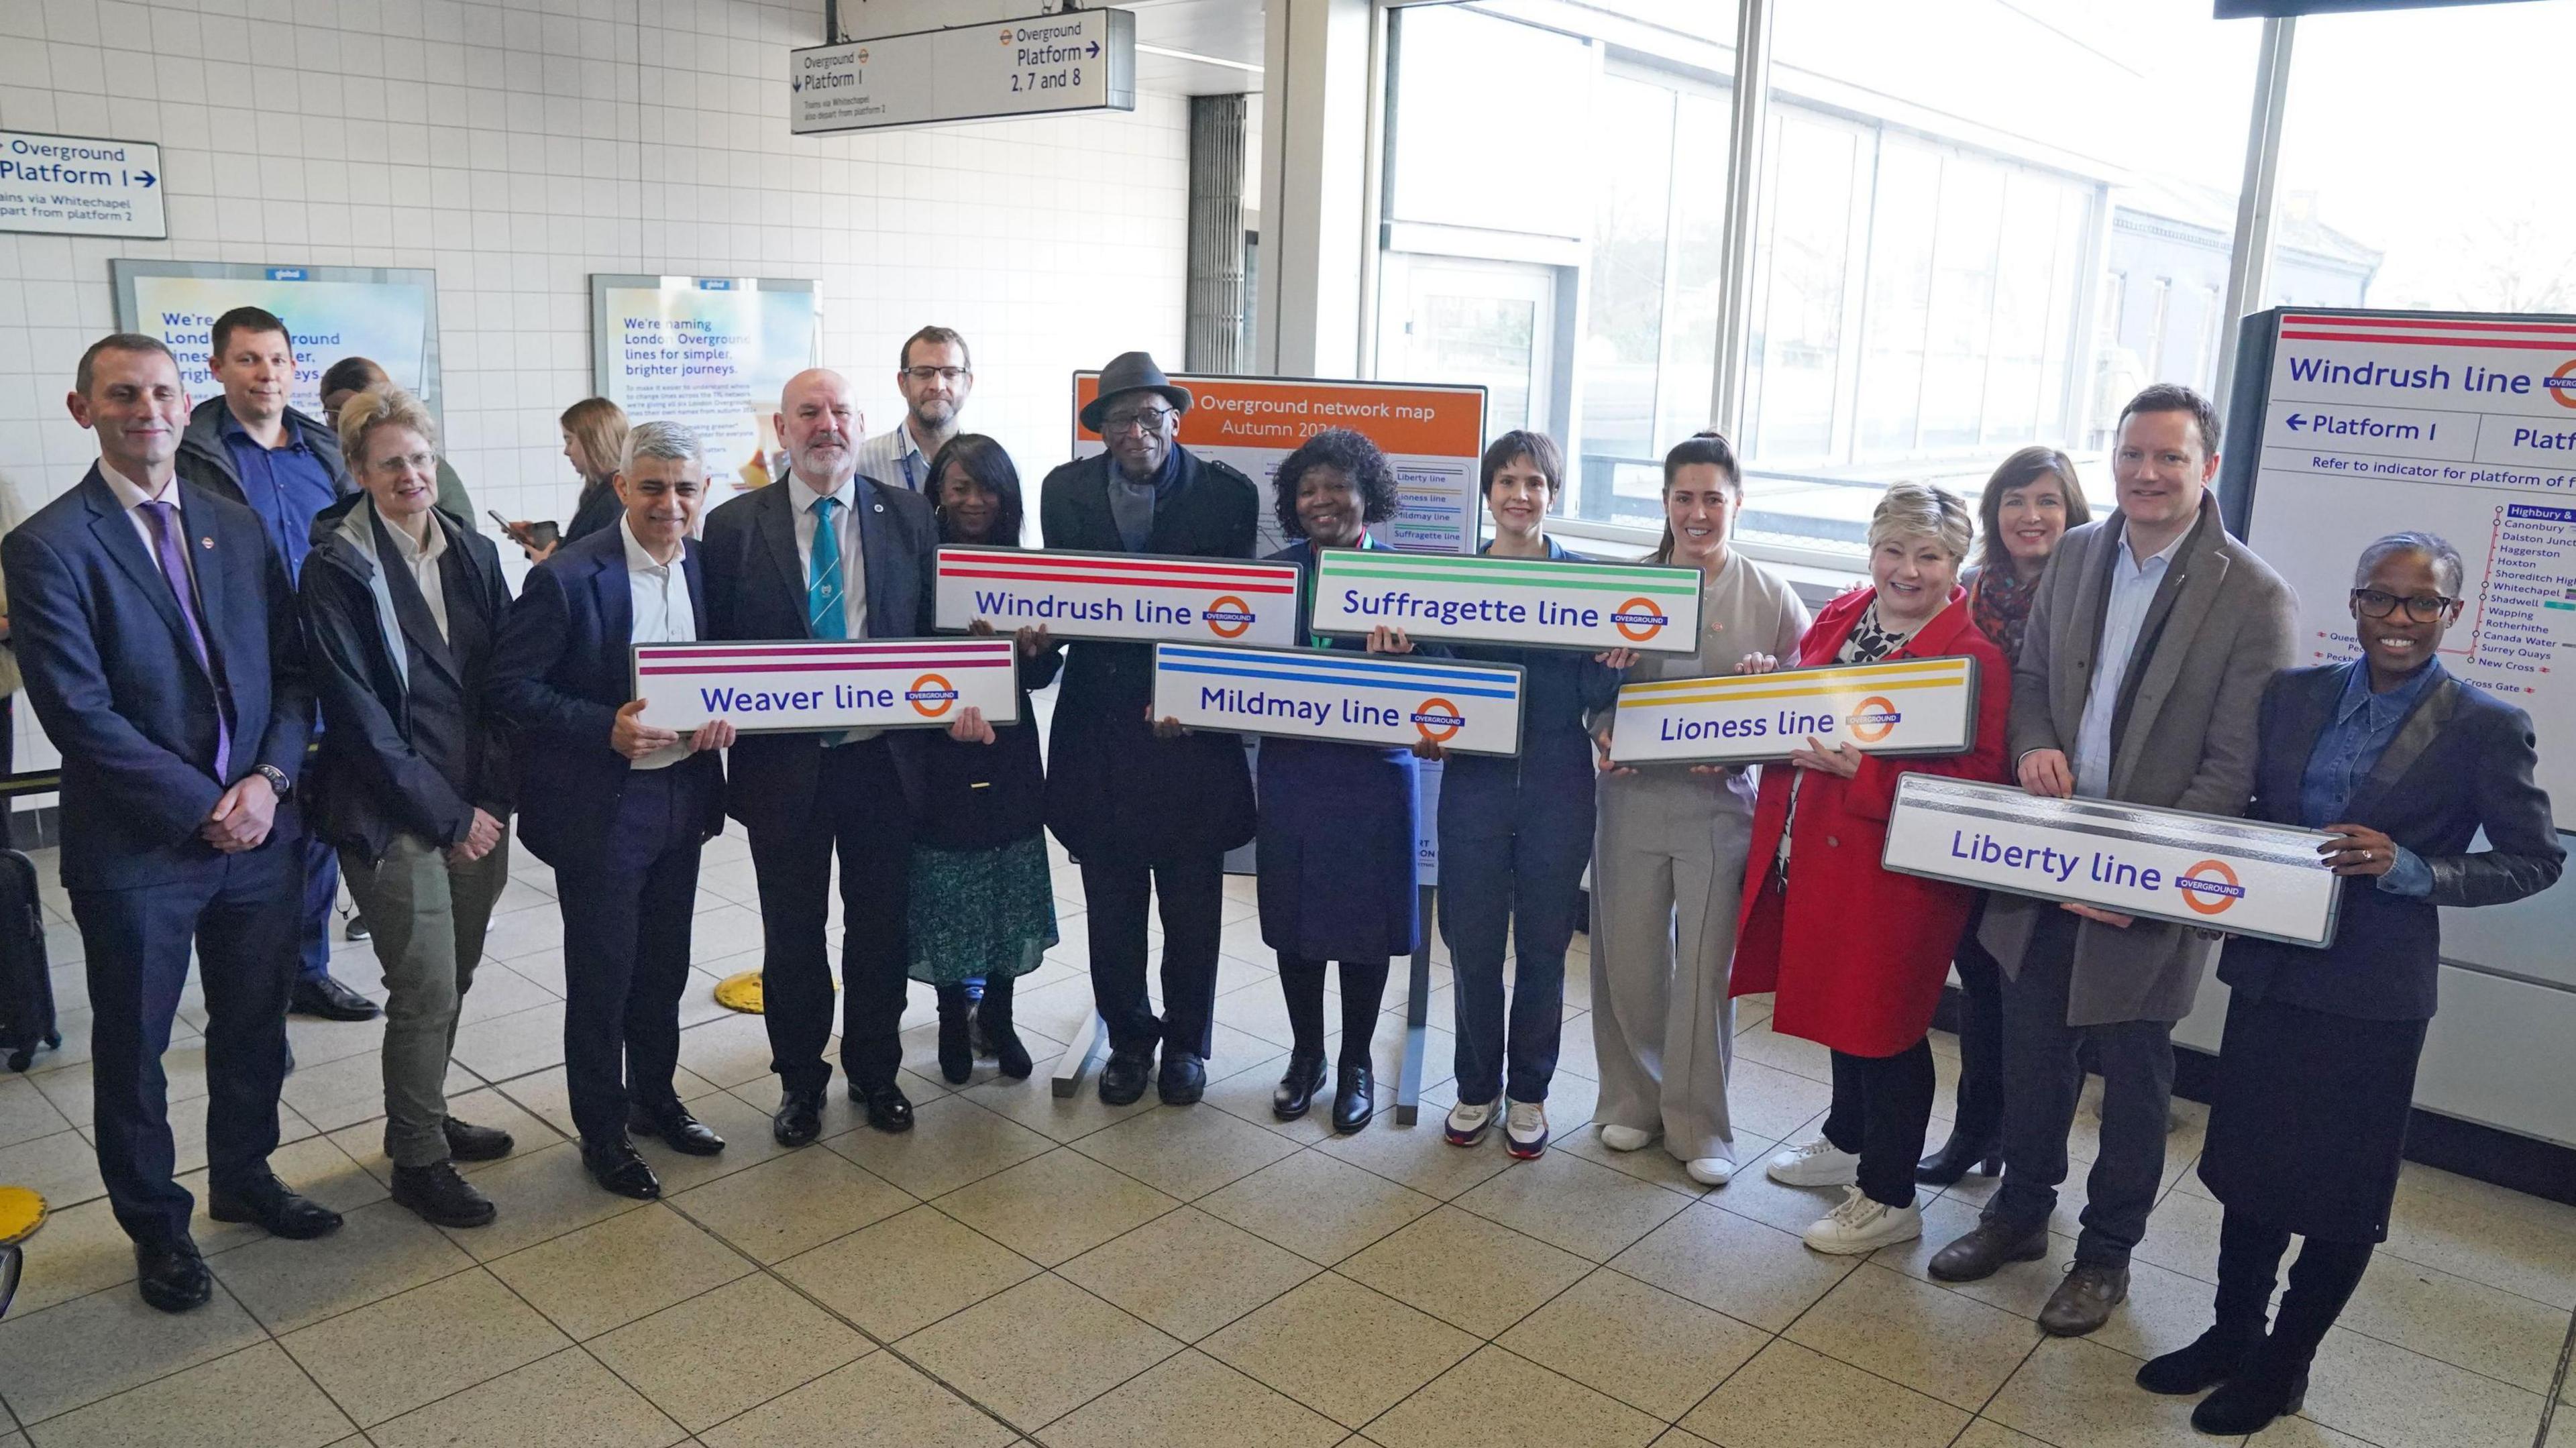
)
(858, 809)
(240, 913)
(1979, 1115)
(626, 950)
(2043, 1077)
(1191, 890)
(1301, 981)
(2321, 1282)
(1882, 1106)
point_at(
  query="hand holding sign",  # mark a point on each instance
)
(2358, 850)
(634, 738)
(2045, 772)
(970, 727)
(1841, 760)
(2098, 915)
(714, 734)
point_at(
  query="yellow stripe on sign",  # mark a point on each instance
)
(1758, 686)
(1747, 695)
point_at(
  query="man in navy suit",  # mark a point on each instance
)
(158, 634)
(617, 804)
(827, 554)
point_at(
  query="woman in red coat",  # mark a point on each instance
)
(1856, 954)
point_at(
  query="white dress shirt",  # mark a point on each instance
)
(422, 560)
(131, 496)
(2124, 613)
(894, 459)
(854, 567)
(660, 592)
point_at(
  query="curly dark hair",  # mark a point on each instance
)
(985, 461)
(1357, 458)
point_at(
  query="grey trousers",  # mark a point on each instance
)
(428, 917)
(1667, 875)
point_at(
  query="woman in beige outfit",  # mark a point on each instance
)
(1668, 853)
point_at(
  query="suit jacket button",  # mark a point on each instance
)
(1834, 842)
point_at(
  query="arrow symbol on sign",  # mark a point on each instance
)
(145, 177)
(1094, 52)
(797, 84)
(2295, 422)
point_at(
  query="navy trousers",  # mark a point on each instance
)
(1512, 852)
(859, 810)
(321, 900)
(626, 950)
(239, 912)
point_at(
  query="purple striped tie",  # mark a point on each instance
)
(174, 566)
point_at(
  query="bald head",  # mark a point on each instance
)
(820, 424)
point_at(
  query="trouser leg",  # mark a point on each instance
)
(321, 899)
(410, 909)
(136, 943)
(1548, 857)
(1980, 1107)
(2137, 1064)
(1632, 959)
(1301, 986)
(1115, 895)
(1699, 1035)
(1191, 893)
(872, 825)
(2041, 1077)
(1881, 1107)
(1475, 901)
(667, 913)
(245, 950)
(793, 868)
(1363, 996)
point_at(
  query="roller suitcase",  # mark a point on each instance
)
(26, 986)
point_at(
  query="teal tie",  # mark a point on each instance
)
(824, 616)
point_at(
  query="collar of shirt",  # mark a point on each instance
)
(232, 431)
(2383, 709)
(421, 554)
(804, 495)
(130, 494)
(2158, 561)
(640, 559)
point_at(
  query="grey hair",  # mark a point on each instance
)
(660, 439)
(379, 407)
(2449, 573)
(1919, 510)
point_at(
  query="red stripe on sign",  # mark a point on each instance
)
(1009, 557)
(844, 668)
(1197, 585)
(2417, 341)
(2430, 324)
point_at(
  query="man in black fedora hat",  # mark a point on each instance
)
(1140, 808)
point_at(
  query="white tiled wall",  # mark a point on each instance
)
(516, 148)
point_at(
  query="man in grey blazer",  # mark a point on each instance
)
(2139, 680)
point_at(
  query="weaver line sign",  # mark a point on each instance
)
(1144, 598)
(1350, 698)
(1478, 598)
(2243, 877)
(812, 684)
(1903, 706)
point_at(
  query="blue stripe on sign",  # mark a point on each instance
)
(1375, 669)
(1407, 686)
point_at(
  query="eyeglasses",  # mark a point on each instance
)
(2423, 608)
(950, 375)
(1143, 419)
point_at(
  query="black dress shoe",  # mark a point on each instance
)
(1183, 1079)
(678, 1129)
(332, 1001)
(173, 1278)
(799, 1118)
(269, 1203)
(618, 1166)
(468, 1142)
(1296, 1091)
(440, 1197)
(1123, 1077)
(887, 1107)
(1352, 1099)
(1956, 1158)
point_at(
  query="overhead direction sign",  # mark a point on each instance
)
(1080, 60)
(80, 186)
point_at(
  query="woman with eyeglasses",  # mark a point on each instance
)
(2402, 764)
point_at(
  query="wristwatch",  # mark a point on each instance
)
(277, 779)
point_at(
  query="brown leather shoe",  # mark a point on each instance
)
(2084, 1300)
(1977, 1255)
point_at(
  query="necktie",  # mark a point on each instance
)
(174, 567)
(824, 616)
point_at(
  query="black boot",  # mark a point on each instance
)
(2249, 1261)
(956, 1035)
(1956, 1158)
(2273, 1384)
(993, 1019)
(2274, 1381)
(2217, 1356)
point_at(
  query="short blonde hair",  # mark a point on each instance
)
(362, 416)
(1919, 510)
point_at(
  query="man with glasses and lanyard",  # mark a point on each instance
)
(1145, 809)
(935, 376)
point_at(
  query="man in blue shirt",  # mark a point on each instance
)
(252, 447)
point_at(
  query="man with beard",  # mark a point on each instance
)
(935, 374)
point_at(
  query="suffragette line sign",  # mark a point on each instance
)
(2243, 877)
(1120, 596)
(1350, 698)
(1479, 598)
(820, 684)
(1904, 706)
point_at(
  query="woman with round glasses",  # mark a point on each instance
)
(2401, 764)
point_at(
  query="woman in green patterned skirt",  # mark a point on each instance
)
(982, 906)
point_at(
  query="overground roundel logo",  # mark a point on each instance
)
(1438, 719)
(1227, 616)
(2561, 384)
(1639, 620)
(1872, 719)
(2209, 887)
(931, 695)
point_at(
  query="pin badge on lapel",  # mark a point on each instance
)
(206, 543)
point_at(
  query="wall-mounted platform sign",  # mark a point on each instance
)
(1082, 60)
(80, 186)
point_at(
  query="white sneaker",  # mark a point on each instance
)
(1525, 1130)
(1467, 1122)
(1819, 1163)
(1625, 1138)
(1861, 1225)
(1710, 1171)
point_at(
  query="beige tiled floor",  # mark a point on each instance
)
(1024, 1270)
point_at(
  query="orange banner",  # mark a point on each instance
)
(1274, 412)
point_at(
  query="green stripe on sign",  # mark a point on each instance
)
(1581, 575)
